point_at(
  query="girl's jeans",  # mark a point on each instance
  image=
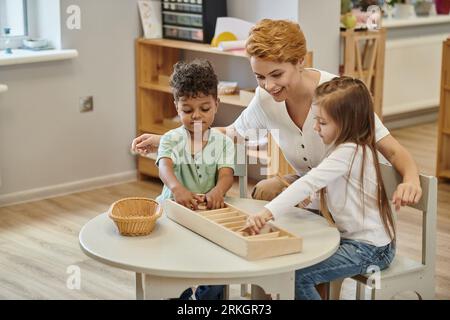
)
(204, 293)
(351, 258)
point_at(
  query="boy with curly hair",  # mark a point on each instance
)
(194, 159)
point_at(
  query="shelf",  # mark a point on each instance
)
(444, 174)
(163, 86)
(443, 148)
(233, 100)
(191, 46)
(157, 128)
(415, 21)
(20, 56)
(147, 166)
(157, 86)
(259, 156)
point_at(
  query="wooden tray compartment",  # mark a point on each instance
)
(221, 227)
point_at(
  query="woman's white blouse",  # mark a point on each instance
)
(302, 148)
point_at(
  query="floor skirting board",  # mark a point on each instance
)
(66, 188)
(407, 119)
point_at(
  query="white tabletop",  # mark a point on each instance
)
(174, 251)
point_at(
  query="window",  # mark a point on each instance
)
(13, 15)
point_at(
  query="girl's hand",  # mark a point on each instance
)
(214, 199)
(256, 222)
(406, 194)
(186, 198)
(145, 143)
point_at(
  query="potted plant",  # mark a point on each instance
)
(422, 7)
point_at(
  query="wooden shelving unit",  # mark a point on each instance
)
(154, 102)
(443, 150)
(364, 59)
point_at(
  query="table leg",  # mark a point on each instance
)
(244, 290)
(281, 284)
(157, 288)
(139, 287)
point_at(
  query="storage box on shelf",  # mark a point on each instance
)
(192, 20)
(443, 154)
(155, 111)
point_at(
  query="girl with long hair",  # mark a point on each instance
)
(350, 186)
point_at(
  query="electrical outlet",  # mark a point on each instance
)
(87, 104)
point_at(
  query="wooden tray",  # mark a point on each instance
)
(221, 227)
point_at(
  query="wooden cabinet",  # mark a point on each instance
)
(154, 101)
(443, 150)
(364, 60)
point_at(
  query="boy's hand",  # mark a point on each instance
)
(186, 198)
(214, 199)
(256, 222)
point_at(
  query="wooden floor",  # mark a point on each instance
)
(39, 240)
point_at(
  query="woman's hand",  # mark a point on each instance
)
(256, 222)
(409, 192)
(186, 198)
(406, 194)
(146, 143)
(214, 199)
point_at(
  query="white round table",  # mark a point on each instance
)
(173, 258)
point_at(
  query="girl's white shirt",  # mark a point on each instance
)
(355, 212)
(302, 148)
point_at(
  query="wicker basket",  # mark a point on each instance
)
(135, 216)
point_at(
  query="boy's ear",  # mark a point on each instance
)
(217, 103)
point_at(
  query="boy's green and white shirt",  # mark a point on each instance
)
(199, 172)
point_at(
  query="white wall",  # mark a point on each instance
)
(44, 140)
(319, 20)
(254, 10)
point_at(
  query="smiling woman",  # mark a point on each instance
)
(13, 15)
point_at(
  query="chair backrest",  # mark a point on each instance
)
(427, 204)
(240, 162)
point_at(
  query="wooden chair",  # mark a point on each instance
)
(364, 59)
(404, 274)
(240, 171)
